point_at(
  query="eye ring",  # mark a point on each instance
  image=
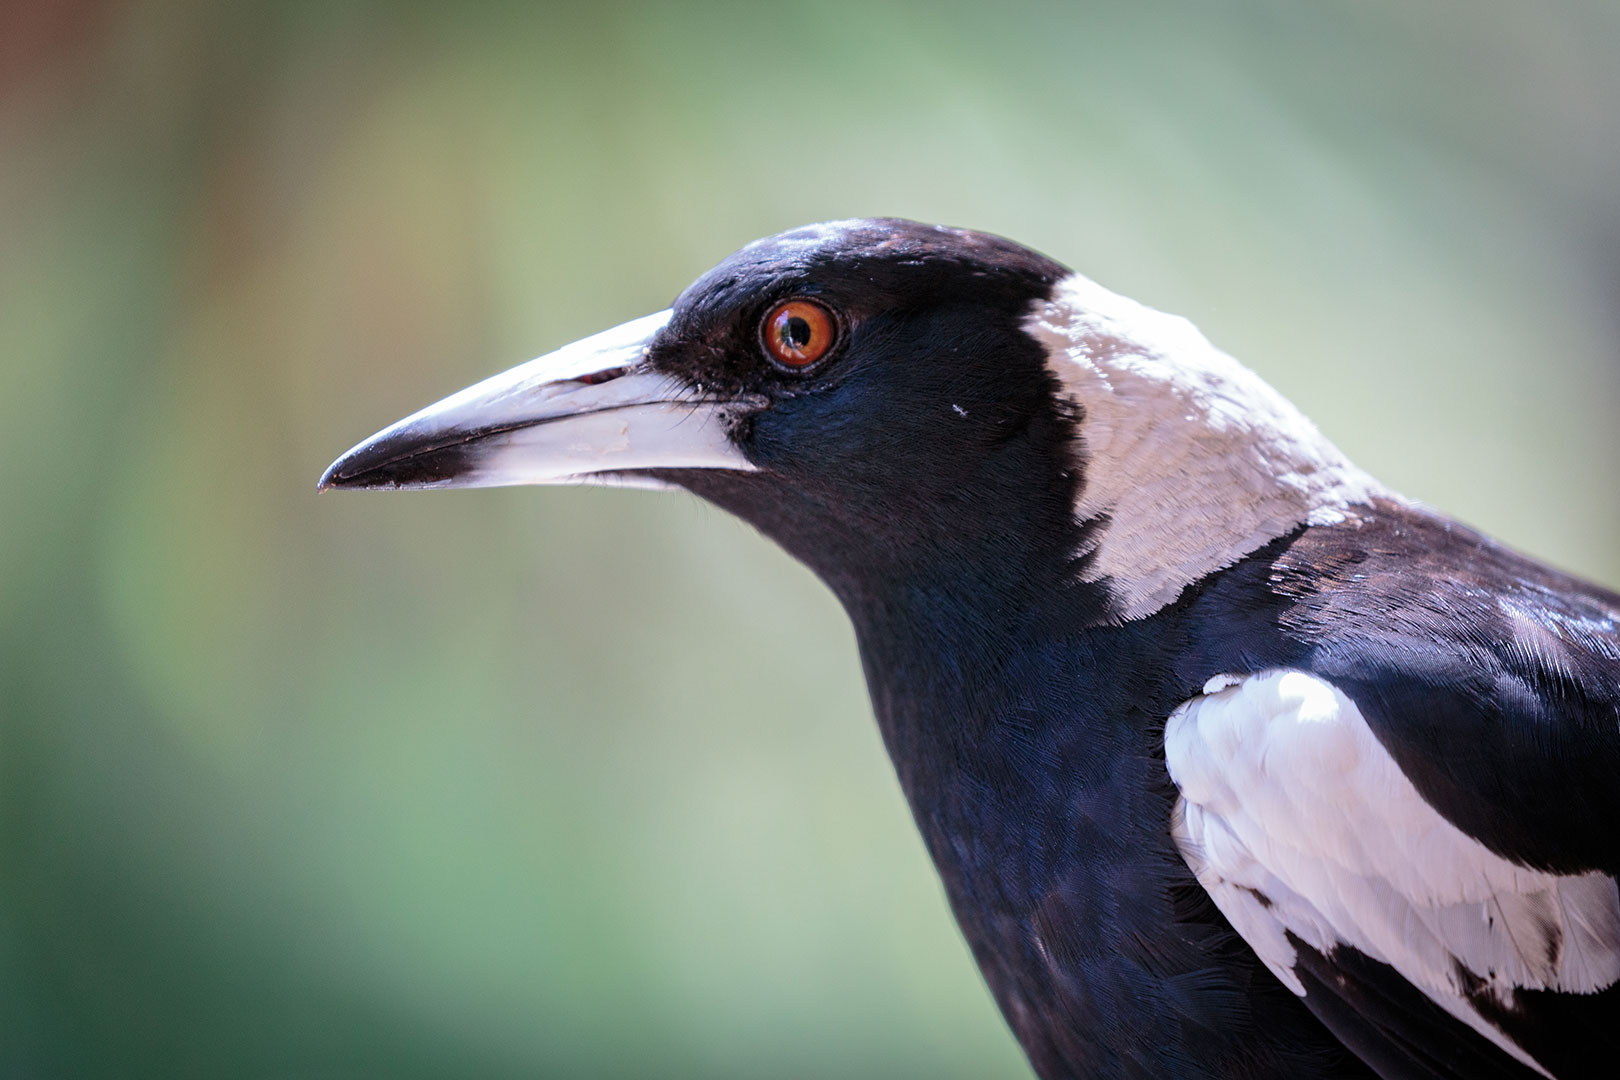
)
(798, 332)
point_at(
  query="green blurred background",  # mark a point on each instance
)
(583, 783)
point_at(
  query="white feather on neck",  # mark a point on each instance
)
(1191, 457)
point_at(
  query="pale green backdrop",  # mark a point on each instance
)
(569, 783)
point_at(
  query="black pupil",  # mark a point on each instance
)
(795, 332)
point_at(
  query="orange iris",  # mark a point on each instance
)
(799, 332)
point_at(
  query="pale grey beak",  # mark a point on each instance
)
(588, 413)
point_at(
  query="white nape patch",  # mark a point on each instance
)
(1194, 460)
(1295, 819)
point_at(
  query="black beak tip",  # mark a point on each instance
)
(329, 478)
(399, 460)
(353, 469)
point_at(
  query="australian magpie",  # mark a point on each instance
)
(1234, 762)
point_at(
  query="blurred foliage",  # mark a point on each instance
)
(574, 783)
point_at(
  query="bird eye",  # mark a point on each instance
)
(797, 333)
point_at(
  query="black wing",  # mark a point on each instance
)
(1494, 683)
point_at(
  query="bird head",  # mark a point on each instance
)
(895, 401)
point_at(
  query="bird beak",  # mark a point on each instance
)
(590, 412)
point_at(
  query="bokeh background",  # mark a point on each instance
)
(583, 783)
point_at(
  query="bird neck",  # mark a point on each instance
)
(959, 667)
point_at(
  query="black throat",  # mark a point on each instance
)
(951, 543)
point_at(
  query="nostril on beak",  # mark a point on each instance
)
(606, 375)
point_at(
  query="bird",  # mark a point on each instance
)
(1232, 761)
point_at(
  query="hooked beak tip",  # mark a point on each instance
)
(335, 475)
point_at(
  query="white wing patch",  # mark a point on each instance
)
(1296, 820)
